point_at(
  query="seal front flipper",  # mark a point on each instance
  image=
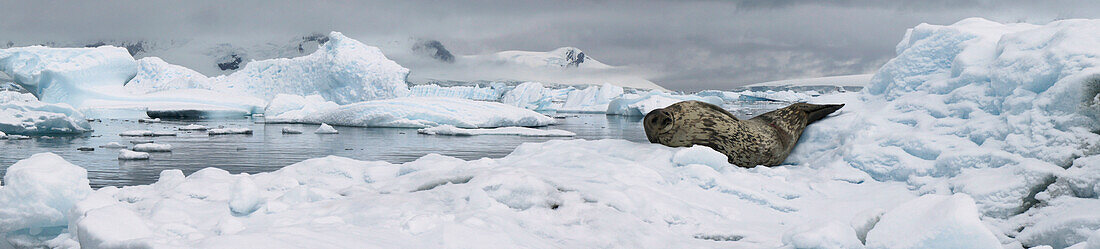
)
(818, 112)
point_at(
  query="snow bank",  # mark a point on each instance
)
(38, 193)
(516, 131)
(561, 194)
(640, 105)
(933, 221)
(21, 113)
(343, 70)
(416, 112)
(325, 129)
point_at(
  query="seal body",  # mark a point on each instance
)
(763, 140)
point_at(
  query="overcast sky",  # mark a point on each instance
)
(684, 45)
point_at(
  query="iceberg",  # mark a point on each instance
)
(414, 112)
(68, 75)
(23, 114)
(325, 129)
(594, 99)
(516, 131)
(640, 105)
(343, 70)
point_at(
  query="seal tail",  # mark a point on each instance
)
(818, 112)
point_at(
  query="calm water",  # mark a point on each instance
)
(267, 149)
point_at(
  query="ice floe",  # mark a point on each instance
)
(515, 131)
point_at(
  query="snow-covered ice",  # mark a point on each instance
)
(490, 93)
(125, 154)
(325, 129)
(153, 147)
(22, 113)
(516, 131)
(933, 221)
(413, 112)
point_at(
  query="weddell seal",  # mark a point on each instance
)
(763, 140)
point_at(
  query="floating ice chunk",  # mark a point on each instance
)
(416, 112)
(933, 221)
(288, 130)
(164, 134)
(136, 133)
(193, 127)
(17, 137)
(698, 154)
(38, 192)
(149, 120)
(22, 113)
(343, 70)
(3, 135)
(229, 131)
(245, 197)
(829, 235)
(517, 131)
(153, 147)
(113, 145)
(325, 129)
(125, 154)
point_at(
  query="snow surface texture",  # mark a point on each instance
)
(343, 70)
(22, 113)
(515, 131)
(412, 112)
(605, 193)
(38, 193)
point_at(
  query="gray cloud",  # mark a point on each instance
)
(685, 45)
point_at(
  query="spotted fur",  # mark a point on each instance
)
(763, 140)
